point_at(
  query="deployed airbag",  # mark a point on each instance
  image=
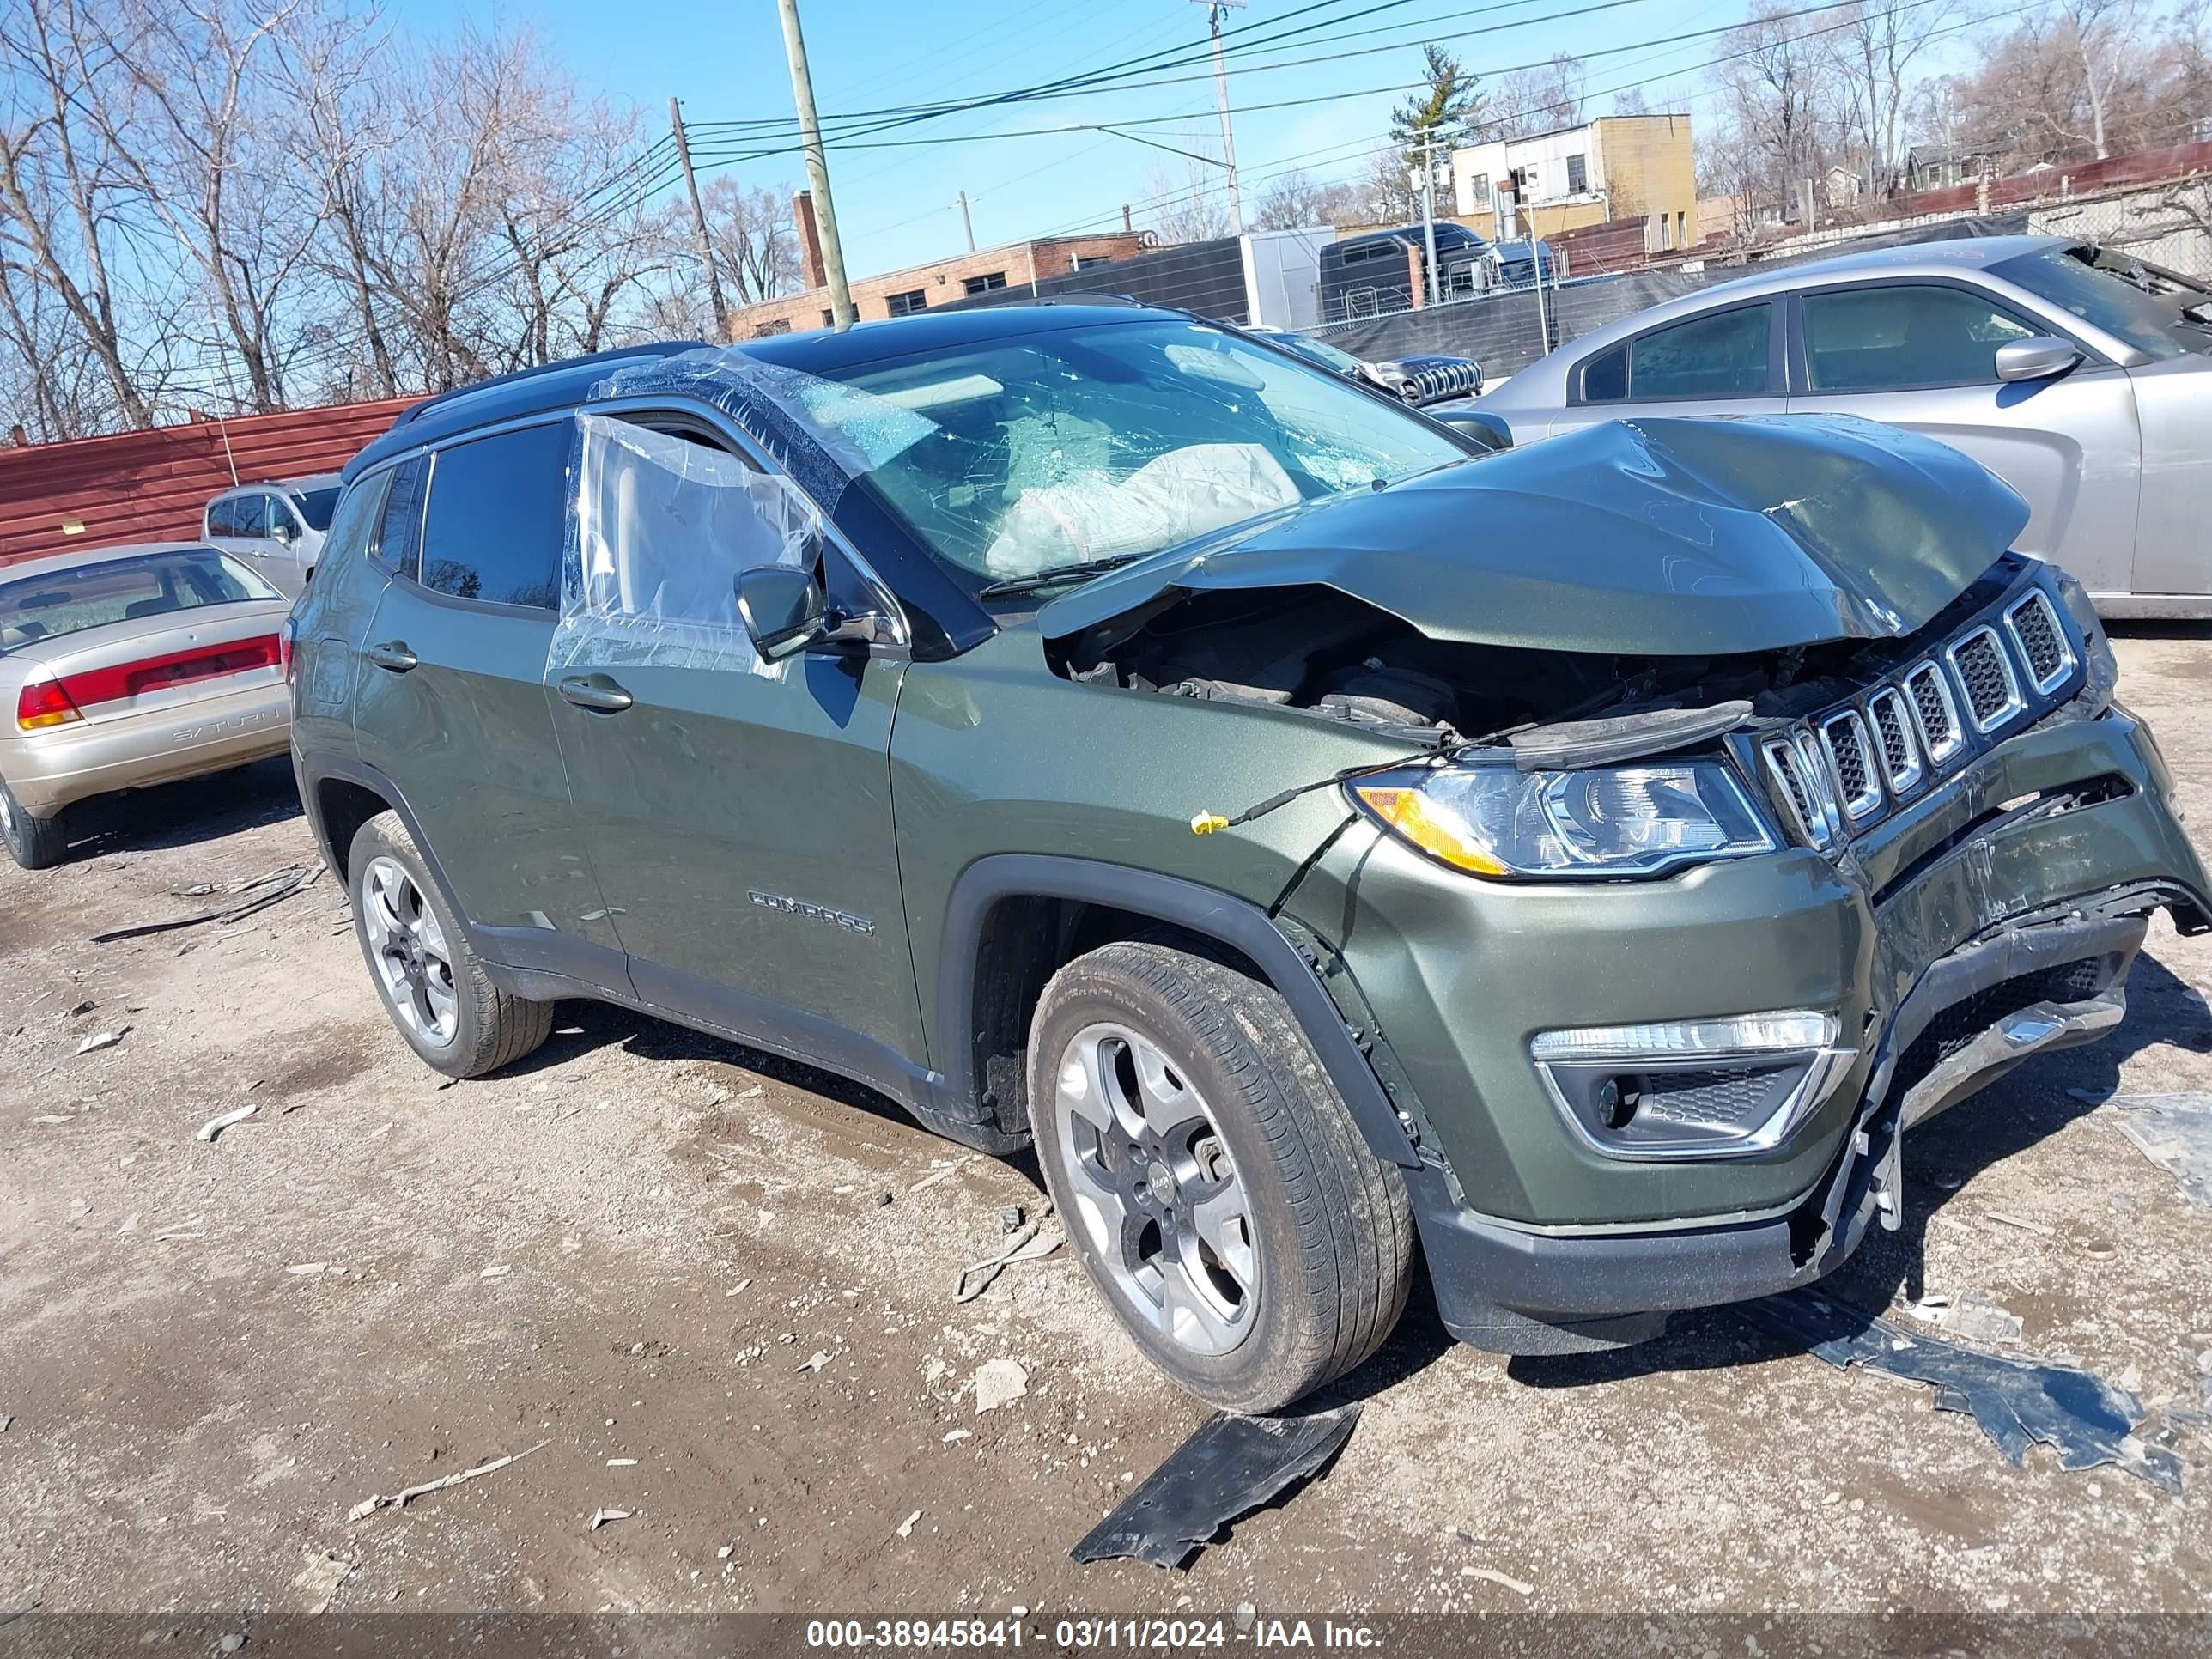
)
(1170, 499)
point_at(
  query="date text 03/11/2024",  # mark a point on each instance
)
(1144, 1634)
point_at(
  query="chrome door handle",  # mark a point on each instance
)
(393, 655)
(598, 693)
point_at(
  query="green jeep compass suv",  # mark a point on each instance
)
(1096, 729)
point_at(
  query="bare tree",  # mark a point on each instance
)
(201, 142)
(244, 203)
(62, 211)
(1872, 51)
(1294, 200)
(1539, 99)
(329, 67)
(755, 247)
(1780, 111)
(1191, 206)
(2083, 77)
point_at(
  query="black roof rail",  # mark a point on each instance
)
(652, 348)
(1100, 297)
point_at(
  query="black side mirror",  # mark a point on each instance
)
(782, 608)
(1487, 429)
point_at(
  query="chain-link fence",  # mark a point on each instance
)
(2168, 225)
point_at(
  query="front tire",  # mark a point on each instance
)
(34, 843)
(1211, 1178)
(430, 982)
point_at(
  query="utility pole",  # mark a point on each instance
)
(967, 223)
(1429, 209)
(1536, 264)
(1215, 11)
(818, 166)
(699, 224)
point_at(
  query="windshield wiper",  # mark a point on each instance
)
(1056, 575)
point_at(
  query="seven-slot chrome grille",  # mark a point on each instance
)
(1433, 382)
(1846, 766)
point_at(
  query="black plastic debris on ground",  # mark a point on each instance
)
(251, 898)
(2017, 1401)
(1231, 1466)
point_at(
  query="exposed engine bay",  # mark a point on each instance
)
(1324, 652)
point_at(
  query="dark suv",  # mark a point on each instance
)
(1091, 727)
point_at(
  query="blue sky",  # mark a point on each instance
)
(897, 205)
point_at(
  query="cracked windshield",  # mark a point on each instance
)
(1111, 443)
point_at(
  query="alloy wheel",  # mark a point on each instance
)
(409, 949)
(1155, 1190)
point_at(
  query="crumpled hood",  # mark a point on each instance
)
(1669, 537)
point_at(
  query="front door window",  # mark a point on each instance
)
(1898, 337)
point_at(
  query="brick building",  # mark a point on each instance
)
(923, 287)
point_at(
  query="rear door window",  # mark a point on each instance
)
(497, 517)
(1605, 377)
(250, 517)
(1891, 338)
(355, 520)
(400, 528)
(1726, 353)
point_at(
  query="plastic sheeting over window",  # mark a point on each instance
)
(825, 434)
(663, 526)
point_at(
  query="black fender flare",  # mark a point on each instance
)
(312, 770)
(1233, 922)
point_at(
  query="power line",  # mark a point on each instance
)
(1281, 164)
(856, 138)
(1088, 80)
(725, 158)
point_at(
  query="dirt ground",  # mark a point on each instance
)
(664, 1267)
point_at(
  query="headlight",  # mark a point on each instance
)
(1492, 820)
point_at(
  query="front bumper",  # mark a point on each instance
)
(49, 770)
(2011, 905)
(1521, 1292)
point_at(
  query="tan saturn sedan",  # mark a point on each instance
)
(125, 666)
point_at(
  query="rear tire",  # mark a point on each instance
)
(1211, 1178)
(34, 843)
(432, 984)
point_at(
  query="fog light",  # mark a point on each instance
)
(1615, 1107)
(1712, 1088)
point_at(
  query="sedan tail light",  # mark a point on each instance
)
(42, 703)
(285, 636)
(52, 703)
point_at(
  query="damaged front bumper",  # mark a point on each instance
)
(1994, 922)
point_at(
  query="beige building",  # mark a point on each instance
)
(1618, 167)
(923, 287)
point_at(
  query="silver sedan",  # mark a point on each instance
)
(2080, 377)
(124, 666)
